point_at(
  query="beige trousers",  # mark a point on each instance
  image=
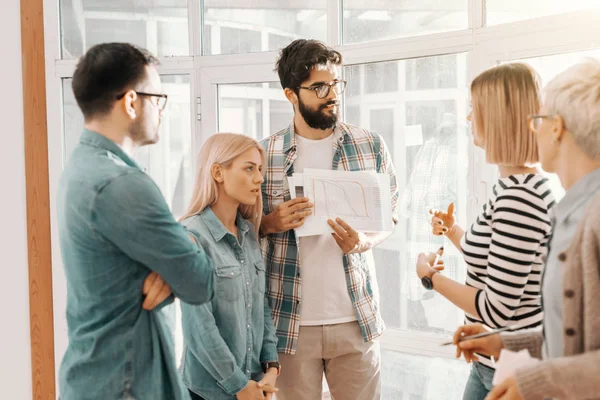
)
(351, 366)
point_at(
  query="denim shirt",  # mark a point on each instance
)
(115, 228)
(227, 340)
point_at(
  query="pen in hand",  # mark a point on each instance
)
(480, 335)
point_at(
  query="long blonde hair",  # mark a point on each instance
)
(222, 149)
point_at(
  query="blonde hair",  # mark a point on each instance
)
(502, 98)
(222, 149)
(575, 95)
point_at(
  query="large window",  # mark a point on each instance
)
(419, 108)
(161, 27)
(503, 11)
(408, 65)
(366, 21)
(254, 109)
(247, 26)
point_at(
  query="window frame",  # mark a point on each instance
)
(485, 47)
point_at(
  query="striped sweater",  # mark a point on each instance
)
(503, 250)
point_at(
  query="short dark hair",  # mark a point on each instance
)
(299, 57)
(104, 72)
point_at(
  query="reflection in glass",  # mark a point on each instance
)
(162, 30)
(421, 114)
(236, 26)
(504, 11)
(366, 21)
(254, 109)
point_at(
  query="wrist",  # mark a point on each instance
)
(264, 225)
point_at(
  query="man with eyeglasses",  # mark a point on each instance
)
(322, 289)
(121, 247)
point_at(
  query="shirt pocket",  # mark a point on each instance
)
(274, 196)
(229, 283)
(260, 278)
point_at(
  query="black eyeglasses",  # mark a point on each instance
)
(322, 90)
(161, 101)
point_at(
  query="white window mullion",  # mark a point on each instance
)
(334, 22)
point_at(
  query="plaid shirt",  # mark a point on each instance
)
(355, 149)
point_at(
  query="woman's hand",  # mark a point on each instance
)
(429, 263)
(442, 222)
(489, 345)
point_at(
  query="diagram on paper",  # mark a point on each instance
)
(342, 198)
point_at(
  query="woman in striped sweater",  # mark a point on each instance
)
(504, 247)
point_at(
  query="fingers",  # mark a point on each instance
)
(269, 389)
(351, 232)
(300, 206)
(153, 294)
(297, 200)
(148, 282)
(450, 209)
(337, 228)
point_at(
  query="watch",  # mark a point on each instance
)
(272, 364)
(427, 281)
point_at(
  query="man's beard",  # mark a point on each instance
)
(317, 119)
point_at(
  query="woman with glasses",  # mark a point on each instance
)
(504, 247)
(230, 344)
(567, 129)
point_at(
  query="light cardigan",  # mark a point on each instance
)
(576, 375)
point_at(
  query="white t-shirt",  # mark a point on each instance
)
(325, 298)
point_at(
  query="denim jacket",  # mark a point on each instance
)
(227, 340)
(115, 228)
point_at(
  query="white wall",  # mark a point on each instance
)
(15, 351)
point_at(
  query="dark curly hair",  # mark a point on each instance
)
(299, 57)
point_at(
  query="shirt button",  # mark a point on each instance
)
(562, 257)
(248, 282)
(242, 261)
(570, 332)
(232, 273)
(248, 325)
(247, 371)
(569, 293)
(249, 349)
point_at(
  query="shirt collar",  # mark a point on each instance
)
(578, 195)
(95, 139)
(216, 227)
(340, 133)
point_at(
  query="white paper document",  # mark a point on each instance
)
(510, 362)
(360, 198)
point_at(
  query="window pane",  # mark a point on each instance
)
(411, 377)
(246, 26)
(169, 162)
(548, 67)
(504, 11)
(390, 19)
(422, 118)
(161, 29)
(254, 109)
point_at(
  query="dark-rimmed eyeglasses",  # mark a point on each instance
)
(535, 121)
(161, 101)
(322, 90)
